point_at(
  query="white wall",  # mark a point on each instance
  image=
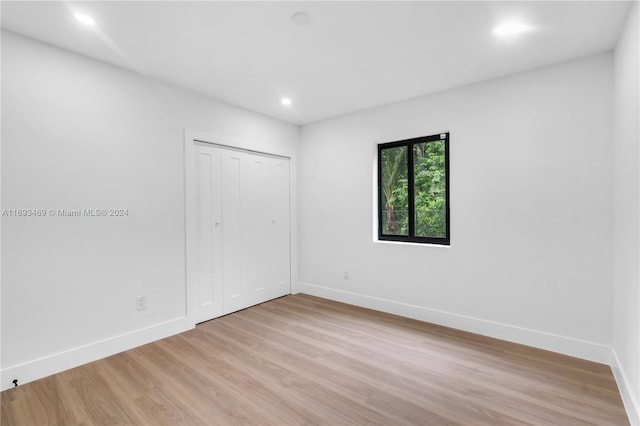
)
(76, 134)
(531, 210)
(626, 320)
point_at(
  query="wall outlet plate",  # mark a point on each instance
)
(141, 302)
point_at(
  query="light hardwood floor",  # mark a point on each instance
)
(304, 360)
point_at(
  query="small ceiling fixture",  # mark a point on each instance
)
(301, 19)
(84, 19)
(285, 101)
(511, 28)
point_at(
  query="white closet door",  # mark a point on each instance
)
(234, 291)
(210, 232)
(266, 228)
(244, 230)
(278, 251)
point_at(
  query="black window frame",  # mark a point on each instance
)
(411, 237)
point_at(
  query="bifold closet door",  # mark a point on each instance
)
(244, 230)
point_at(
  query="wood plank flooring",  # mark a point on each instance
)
(301, 360)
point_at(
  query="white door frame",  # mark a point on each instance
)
(191, 139)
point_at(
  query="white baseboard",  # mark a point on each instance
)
(561, 344)
(630, 402)
(55, 363)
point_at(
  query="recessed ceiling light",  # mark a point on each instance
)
(301, 18)
(511, 28)
(285, 101)
(84, 19)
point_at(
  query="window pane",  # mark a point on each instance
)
(430, 189)
(395, 193)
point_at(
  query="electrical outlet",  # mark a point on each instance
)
(345, 275)
(141, 302)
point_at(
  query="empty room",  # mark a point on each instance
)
(322, 212)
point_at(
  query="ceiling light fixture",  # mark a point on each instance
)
(511, 28)
(285, 101)
(301, 19)
(84, 19)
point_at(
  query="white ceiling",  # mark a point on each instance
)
(353, 56)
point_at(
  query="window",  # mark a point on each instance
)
(413, 190)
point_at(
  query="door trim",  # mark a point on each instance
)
(191, 139)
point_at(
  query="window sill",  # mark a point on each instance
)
(408, 243)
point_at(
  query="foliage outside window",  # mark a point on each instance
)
(413, 196)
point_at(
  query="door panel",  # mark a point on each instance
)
(210, 277)
(206, 229)
(233, 289)
(278, 225)
(255, 239)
